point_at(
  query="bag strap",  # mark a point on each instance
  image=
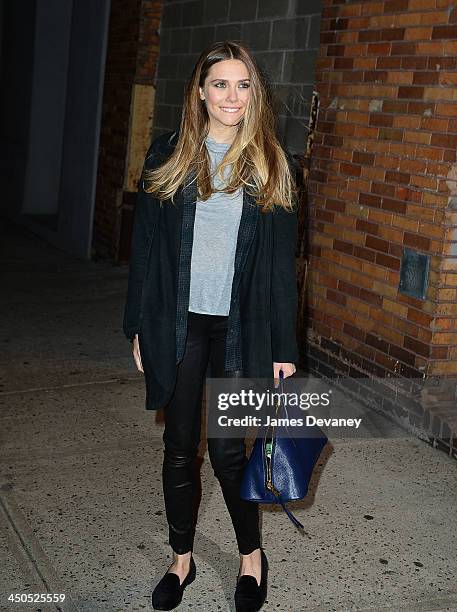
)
(294, 519)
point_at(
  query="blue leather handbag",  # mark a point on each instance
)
(280, 466)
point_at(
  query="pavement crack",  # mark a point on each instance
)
(28, 552)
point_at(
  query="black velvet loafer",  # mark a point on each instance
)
(249, 596)
(168, 593)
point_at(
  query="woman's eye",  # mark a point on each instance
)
(222, 84)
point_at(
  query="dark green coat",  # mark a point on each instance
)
(263, 308)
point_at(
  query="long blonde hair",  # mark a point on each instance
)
(259, 164)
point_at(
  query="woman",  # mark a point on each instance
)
(212, 281)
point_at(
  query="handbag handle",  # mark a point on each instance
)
(270, 485)
(284, 404)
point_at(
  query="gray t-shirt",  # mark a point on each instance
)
(215, 236)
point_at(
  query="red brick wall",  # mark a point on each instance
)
(132, 55)
(383, 178)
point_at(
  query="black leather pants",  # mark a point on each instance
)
(205, 343)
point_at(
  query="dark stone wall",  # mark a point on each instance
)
(283, 34)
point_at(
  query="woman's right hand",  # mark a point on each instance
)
(137, 354)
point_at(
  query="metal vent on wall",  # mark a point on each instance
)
(414, 273)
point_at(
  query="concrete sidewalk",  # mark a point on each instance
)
(81, 509)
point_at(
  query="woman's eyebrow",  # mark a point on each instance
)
(239, 80)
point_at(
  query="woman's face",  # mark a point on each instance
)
(226, 92)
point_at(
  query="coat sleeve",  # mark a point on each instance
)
(145, 218)
(284, 295)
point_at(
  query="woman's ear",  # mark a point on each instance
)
(202, 95)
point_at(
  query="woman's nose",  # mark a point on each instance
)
(232, 95)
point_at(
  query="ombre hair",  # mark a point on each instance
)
(259, 163)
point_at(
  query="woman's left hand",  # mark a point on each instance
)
(287, 368)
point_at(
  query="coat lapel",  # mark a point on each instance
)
(246, 231)
(188, 195)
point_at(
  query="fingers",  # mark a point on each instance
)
(288, 369)
(137, 354)
(139, 365)
(139, 358)
(276, 369)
